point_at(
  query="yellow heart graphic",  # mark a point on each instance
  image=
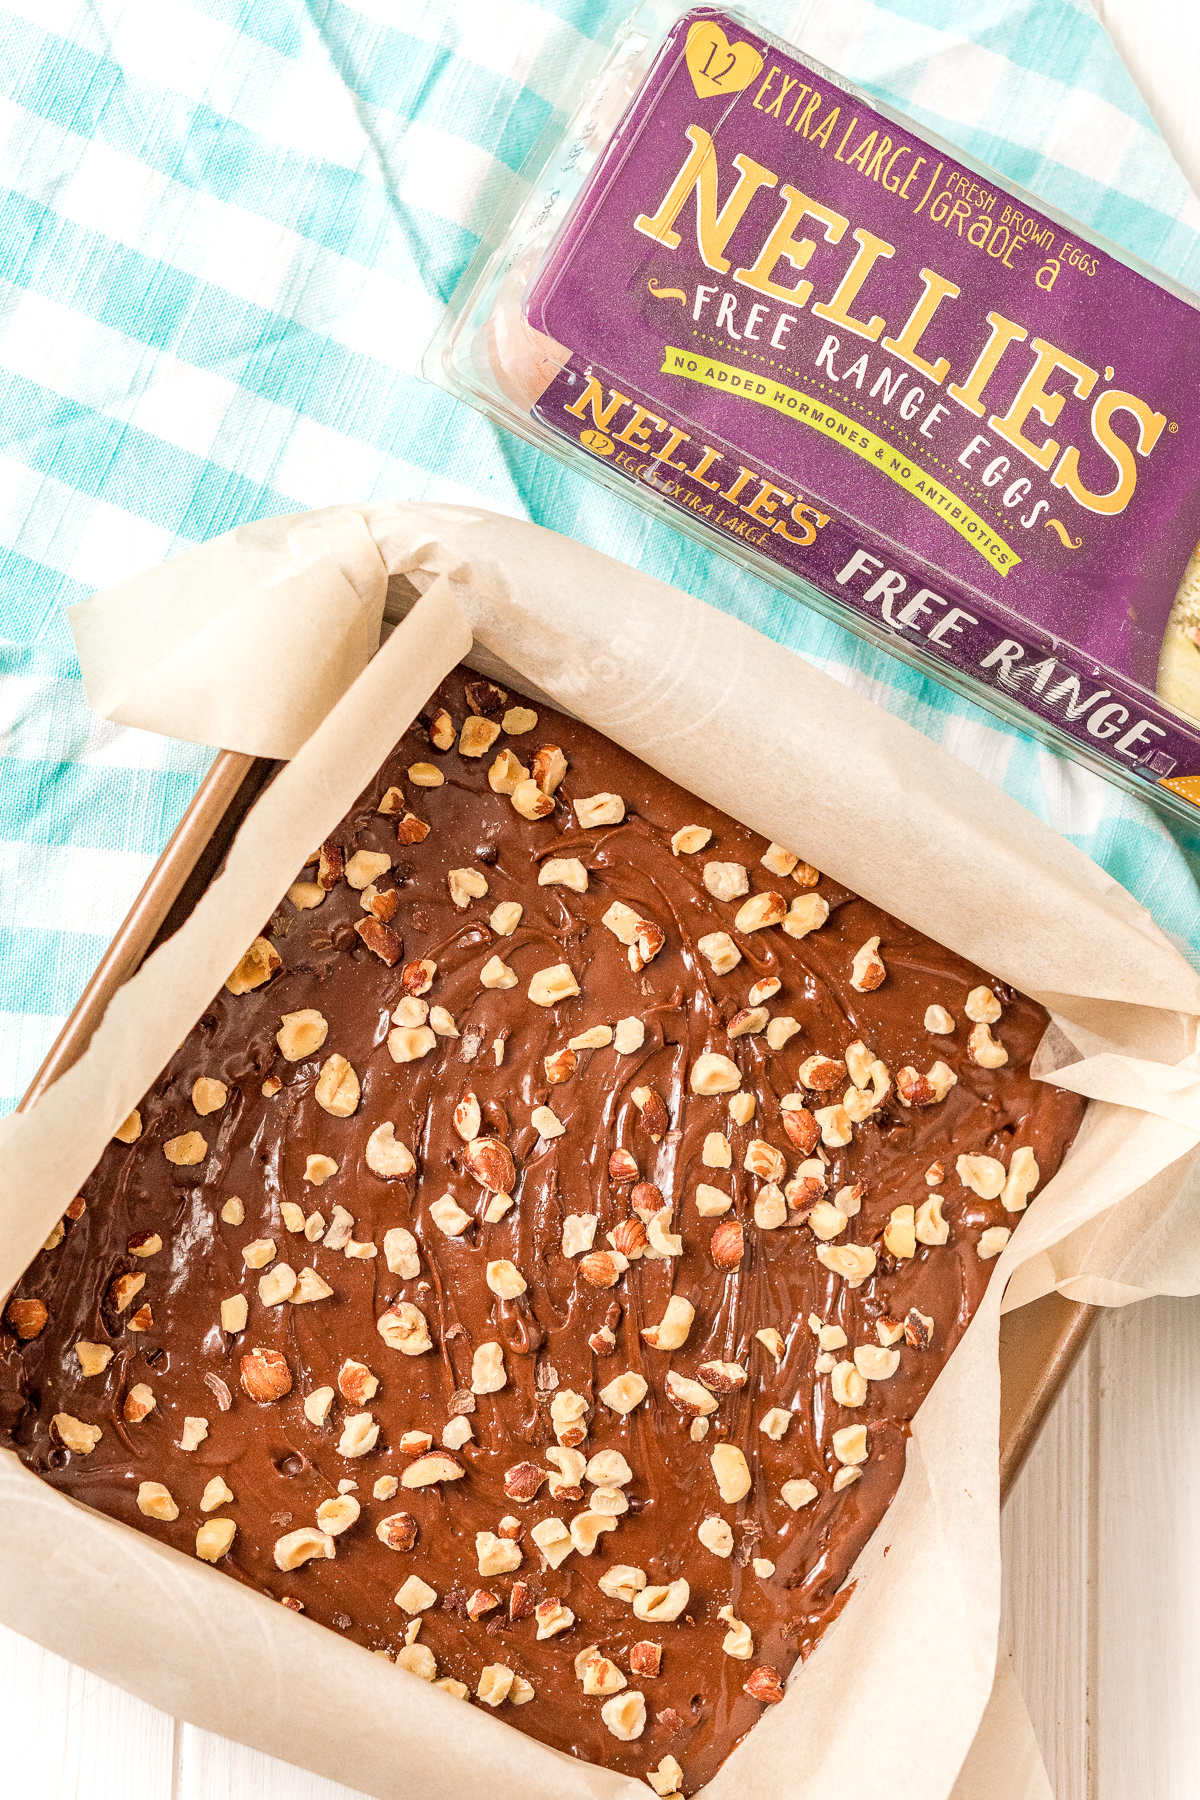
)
(717, 66)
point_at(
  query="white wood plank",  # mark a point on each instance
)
(1048, 1545)
(212, 1768)
(67, 1733)
(1147, 1723)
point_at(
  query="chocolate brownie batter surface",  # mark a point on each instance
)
(532, 1273)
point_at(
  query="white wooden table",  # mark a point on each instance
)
(1101, 1535)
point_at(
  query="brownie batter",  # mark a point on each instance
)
(371, 1309)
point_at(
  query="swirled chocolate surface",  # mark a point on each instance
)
(775, 1558)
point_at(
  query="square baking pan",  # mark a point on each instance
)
(1038, 1342)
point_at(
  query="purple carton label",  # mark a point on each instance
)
(800, 322)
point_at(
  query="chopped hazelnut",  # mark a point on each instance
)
(559, 1065)
(449, 1216)
(727, 1244)
(848, 1385)
(466, 885)
(277, 1285)
(671, 1333)
(468, 1117)
(496, 1555)
(548, 767)
(732, 1473)
(931, 1227)
(356, 1385)
(778, 860)
(505, 1279)
(797, 1493)
(401, 1253)
(726, 880)
(625, 1715)
(139, 1404)
(599, 809)
(529, 800)
(194, 1432)
(774, 1423)
(808, 912)
(360, 1434)
(257, 965)
(578, 1233)
(719, 951)
(982, 1007)
(309, 1287)
(214, 1539)
(748, 1022)
(553, 1540)
(409, 1043)
(385, 1154)
(365, 867)
(487, 1369)
(27, 1318)
(737, 1641)
(763, 1684)
(506, 917)
(876, 1363)
(625, 1392)
(259, 1253)
(301, 1034)
(546, 1122)
(338, 1514)
(208, 1095)
(317, 1405)
(551, 985)
(760, 911)
(419, 1660)
(622, 1582)
(663, 1604)
(984, 1175)
(416, 1596)
(689, 839)
(298, 1547)
(399, 1530)
(477, 736)
(564, 871)
(337, 1090)
(131, 1130)
(900, 1236)
(667, 1779)
(712, 1073)
(404, 1327)
(495, 1684)
(600, 1675)
(868, 971)
(690, 1396)
(187, 1150)
(124, 1290)
(1023, 1177)
(716, 1535)
(93, 1358)
(853, 1262)
(938, 1021)
(993, 1241)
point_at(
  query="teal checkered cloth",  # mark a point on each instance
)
(229, 229)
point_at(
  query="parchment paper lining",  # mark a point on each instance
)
(892, 1700)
